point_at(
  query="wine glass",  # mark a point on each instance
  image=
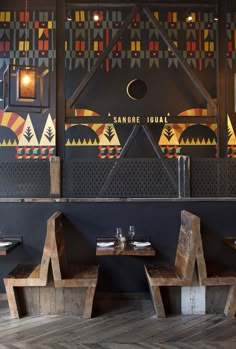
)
(131, 232)
(118, 233)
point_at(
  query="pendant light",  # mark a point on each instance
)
(25, 87)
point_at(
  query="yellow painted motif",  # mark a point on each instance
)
(174, 18)
(156, 15)
(5, 119)
(95, 46)
(79, 16)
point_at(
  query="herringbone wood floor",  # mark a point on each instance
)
(120, 325)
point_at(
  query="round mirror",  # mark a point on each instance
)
(136, 89)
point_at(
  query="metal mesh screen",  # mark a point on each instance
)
(122, 178)
(84, 178)
(25, 178)
(213, 177)
(204, 177)
(231, 175)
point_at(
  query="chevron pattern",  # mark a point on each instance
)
(117, 325)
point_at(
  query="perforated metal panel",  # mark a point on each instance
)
(213, 177)
(204, 177)
(142, 178)
(24, 178)
(122, 178)
(231, 174)
(84, 178)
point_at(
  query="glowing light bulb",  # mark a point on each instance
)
(26, 84)
(189, 17)
(26, 80)
(96, 17)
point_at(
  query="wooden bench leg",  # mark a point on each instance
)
(230, 305)
(157, 301)
(88, 306)
(12, 301)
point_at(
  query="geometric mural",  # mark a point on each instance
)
(30, 148)
(102, 136)
(140, 46)
(19, 134)
(175, 139)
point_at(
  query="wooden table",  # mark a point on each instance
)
(4, 250)
(230, 241)
(127, 249)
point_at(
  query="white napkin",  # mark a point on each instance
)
(5, 243)
(141, 243)
(105, 244)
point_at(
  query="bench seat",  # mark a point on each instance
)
(214, 274)
(47, 277)
(181, 273)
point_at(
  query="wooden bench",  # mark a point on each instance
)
(213, 274)
(24, 275)
(181, 273)
(33, 289)
(67, 275)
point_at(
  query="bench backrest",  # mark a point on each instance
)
(52, 223)
(201, 264)
(187, 245)
(59, 260)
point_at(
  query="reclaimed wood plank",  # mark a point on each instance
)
(230, 305)
(55, 176)
(181, 273)
(217, 275)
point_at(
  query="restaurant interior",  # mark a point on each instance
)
(117, 174)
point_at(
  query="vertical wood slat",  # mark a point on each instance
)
(230, 306)
(157, 301)
(183, 176)
(59, 300)
(50, 300)
(47, 300)
(55, 176)
(89, 302)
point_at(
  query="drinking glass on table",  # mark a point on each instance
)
(118, 233)
(131, 232)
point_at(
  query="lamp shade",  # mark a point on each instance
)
(26, 84)
(26, 88)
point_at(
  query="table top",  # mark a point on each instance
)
(230, 241)
(4, 250)
(126, 249)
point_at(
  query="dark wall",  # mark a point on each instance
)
(85, 221)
